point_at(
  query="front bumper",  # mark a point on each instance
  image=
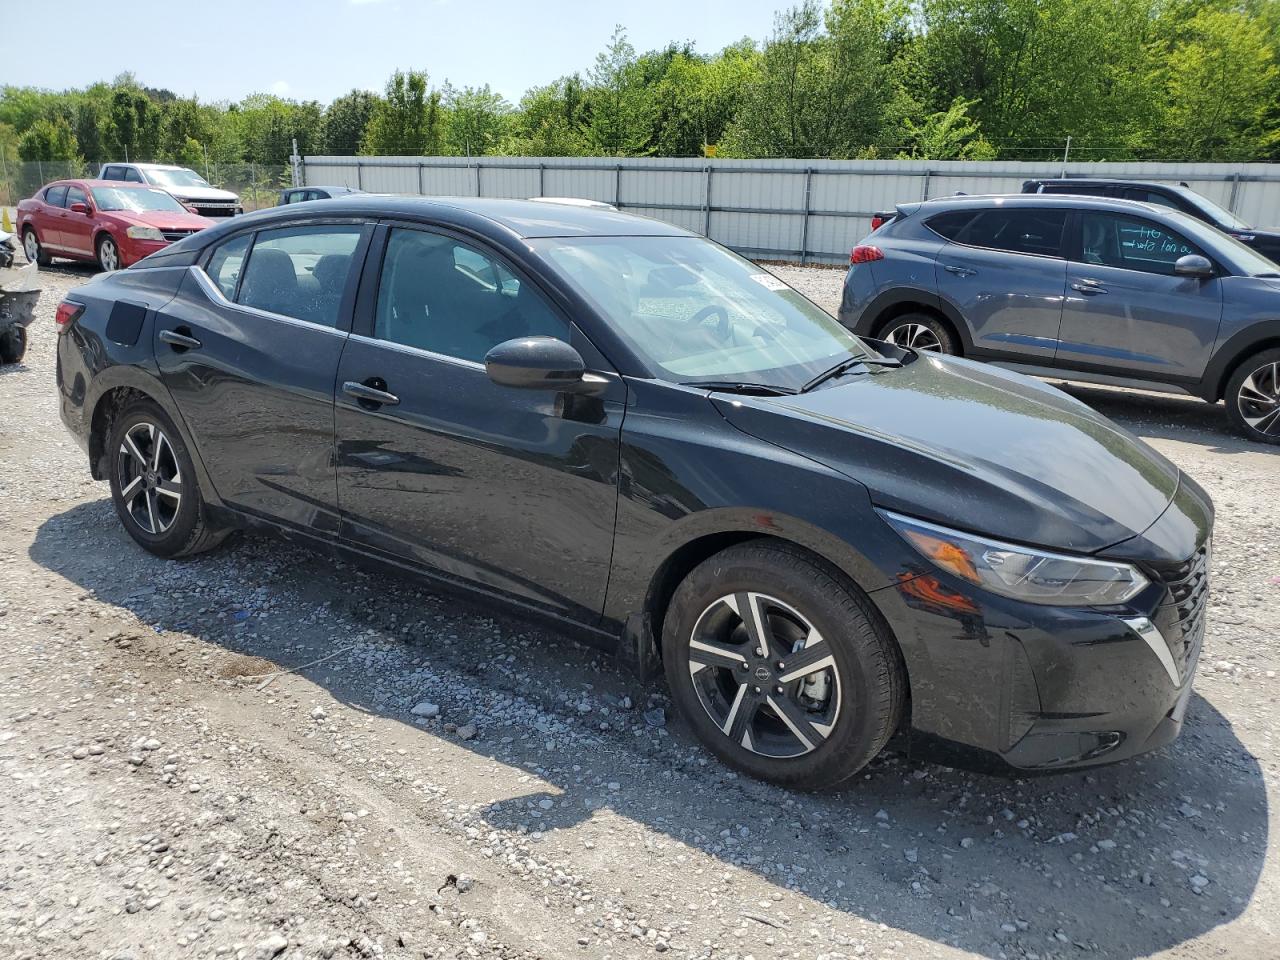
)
(1006, 686)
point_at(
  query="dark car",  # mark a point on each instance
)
(1266, 240)
(302, 194)
(628, 430)
(1080, 288)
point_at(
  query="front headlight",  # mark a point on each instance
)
(1021, 572)
(144, 233)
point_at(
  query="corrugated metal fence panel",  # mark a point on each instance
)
(785, 209)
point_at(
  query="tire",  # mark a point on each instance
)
(854, 687)
(157, 500)
(13, 344)
(1253, 397)
(920, 331)
(31, 243)
(108, 253)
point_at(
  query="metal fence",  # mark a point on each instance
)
(258, 185)
(805, 210)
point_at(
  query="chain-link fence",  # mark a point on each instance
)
(258, 185)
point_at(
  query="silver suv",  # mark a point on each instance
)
(1103, 291)
(182, 183)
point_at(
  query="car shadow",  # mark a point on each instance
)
(1167, 416)
(1124, 861)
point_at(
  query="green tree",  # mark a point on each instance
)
(407, 122)
(345, 120)
(550, 122)
(621, 114)
(949, 134)
(48, 140)
(477, 119)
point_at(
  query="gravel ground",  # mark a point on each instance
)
(435, 779)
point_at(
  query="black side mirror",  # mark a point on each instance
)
(1193, 265)
(536, 363)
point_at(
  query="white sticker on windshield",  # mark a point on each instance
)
(769, 281)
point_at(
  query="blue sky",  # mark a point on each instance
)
(319, 49)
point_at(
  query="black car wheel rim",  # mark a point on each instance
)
(1259, 399)
(915, 336)
(765, 675)
(149, 477)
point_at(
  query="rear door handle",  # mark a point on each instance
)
(1088, 286)
(179, 341)
(371, 394)
(959, 271)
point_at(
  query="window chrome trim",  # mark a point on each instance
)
(214, 292)
(417, 351)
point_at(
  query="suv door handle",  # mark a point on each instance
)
(959, 271)
(1088, 286)
(180, 341)
(371, 394)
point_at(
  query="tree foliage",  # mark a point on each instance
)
(935, 79)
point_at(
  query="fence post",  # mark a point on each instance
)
(924, 187)
(422, 169)
(478, 193)
(359, 177)
(295, 162)
(804, 223)
(253, 183)
(40, 169)
(4, 179)
(706, 205)
(617, 184)
(1235, 190)
(542, 173)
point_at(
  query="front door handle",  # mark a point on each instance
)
(180, 341)
(1088, 286)
(959, 271)
(371, 394)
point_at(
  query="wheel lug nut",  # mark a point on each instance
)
(781, 665)
(757, 689)
(759, 652)
(777, 689)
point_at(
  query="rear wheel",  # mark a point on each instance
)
(34, 250)
(919, 331)
(13, 344)
(153, 484)
(781, 666)
(108, 254)
(1253, 397)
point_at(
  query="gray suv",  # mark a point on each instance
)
(1098, 290)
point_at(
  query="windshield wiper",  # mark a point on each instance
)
(845, 365)
(737, 386)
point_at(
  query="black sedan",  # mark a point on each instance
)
(625, 428)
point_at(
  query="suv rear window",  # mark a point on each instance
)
(1022, 230)
(949, 225)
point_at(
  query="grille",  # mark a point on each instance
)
(1182, 616)
(172, 235)
(215, 208)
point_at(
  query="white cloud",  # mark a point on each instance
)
(280, 88)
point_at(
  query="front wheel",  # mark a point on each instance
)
(34, 251)
(153, 484)
(108, 254)
(781, 666)
(1253, 397)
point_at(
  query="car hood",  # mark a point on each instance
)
(973, 447)
(199, 193)
(162, 219)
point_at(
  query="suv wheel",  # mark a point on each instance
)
(1253, 397)
(919, 331)
(153, 484)
(781, 666)
(32, 248)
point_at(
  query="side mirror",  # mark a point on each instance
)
(535, 363)
(1193, 265)
(79, 207)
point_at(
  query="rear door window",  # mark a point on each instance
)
(76, 195)
(300, 272)
(132, 175)
(1019, 230)
(56, 196)
(1150, 196)
(1131, 243)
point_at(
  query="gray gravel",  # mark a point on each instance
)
(434, 779)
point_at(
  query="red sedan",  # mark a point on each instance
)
(108, 222)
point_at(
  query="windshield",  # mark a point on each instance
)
(1241, 258)
(136, 199)
(694, 311)
(1222, 215)
(177, 178)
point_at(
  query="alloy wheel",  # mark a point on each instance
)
(31, 246)
(765, 675)
(149, 477)
(915, 336)
(1259, 399)
(108, 255)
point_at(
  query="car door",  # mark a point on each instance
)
(1004, 272)
(1126, 309)
(249, 349)
(77, 228)
(511, 490)
(49, 215)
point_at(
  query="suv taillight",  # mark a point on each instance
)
(68, 312)
(865, 254)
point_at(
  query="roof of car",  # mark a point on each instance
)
(1039, 200)
(525, 218)
(1103, 181)
(91, 182)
